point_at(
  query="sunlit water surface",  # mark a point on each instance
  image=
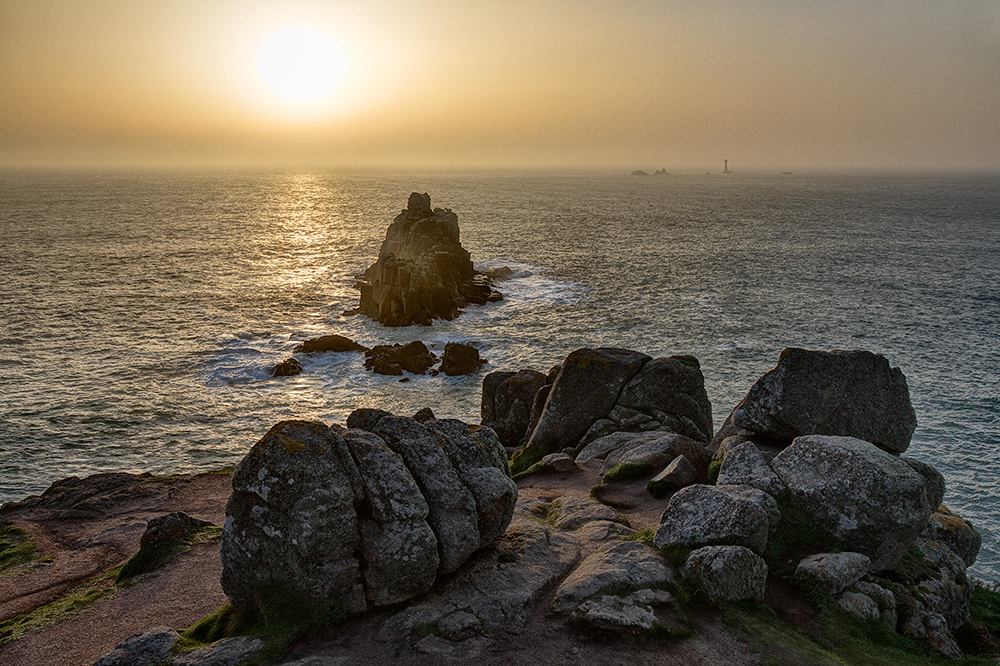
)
(141, 313)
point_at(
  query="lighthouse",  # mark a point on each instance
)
(725, 168)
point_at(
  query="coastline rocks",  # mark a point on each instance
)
(744, 465)
(703, 515)
(506, 403)
(729, 573)
(617, 568)
(460, 359)
(655, 449)
(847, 393)
(287, 368)
(329, 343)
(422, 272)
(359, 517)
(955, 532)
(835, 571)
(876, 509)
(413, 357)
(602, 391)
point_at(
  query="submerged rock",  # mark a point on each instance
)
(413, 357)
(287, 368)
(329, 343)
(460, 359)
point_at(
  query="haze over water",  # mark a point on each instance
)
(141, 312)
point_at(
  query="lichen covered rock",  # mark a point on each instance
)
(703, 515)
(362, 516)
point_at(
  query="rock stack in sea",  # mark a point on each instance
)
(422, 272)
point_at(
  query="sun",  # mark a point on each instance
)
(300, 64)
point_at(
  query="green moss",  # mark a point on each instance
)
(627, 472)
(161, 552)
(797, 534)
(645, 536)
(60, 609)
(676, 553)
(226, 622)
(713, 472)
(16, 549)
(534, 469)
(524, 458)
(913, 568)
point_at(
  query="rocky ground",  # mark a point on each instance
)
(84, 529)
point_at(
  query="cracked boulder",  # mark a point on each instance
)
(361, 517)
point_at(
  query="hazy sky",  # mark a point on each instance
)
(770, 84)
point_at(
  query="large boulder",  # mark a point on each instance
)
(671, 391)
(729, 573)
(460, 359)
(506, 403)
(413, 357)
(361, 517)
(703, 515)
(654, 448)
(587, 387)
(329, 343)
(874, 503)
(846, 393)
(423, 272)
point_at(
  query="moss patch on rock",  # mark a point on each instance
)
(627, 472)
(160, 552)
(16, 548)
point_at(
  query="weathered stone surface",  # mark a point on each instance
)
(558, 462)
(575, 512)
(948, 591)
(452, 512)
(505, 597)
(745, 466)
(835, 572)
(846, 393)
(287, 368)
(146, 647)
(291, 523)
(407, 622)
(413, 357)
(459, 626)
(170, 527)
(585, 390)
(679, 473)
(423, 272)
(329, 343)
(223, 653)
(877, 509)
(655, 448)
(612, 613)
(460, 359)
(703, 515)
(615, 567)
(859, 605)
(933, 628)
(672, 390)
(412, 500)
(506, 403)
(730, 573)
(883, 598)
(954, 531)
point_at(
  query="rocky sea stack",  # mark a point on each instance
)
(423, 272)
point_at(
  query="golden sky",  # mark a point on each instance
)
(676, 84)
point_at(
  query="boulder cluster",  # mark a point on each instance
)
(413, 357)
(807, 466)
(422, 272)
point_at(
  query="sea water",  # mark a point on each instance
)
(140, 313)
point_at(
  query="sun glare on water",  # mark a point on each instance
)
(300, 64)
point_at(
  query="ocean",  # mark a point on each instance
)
(141, 312)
